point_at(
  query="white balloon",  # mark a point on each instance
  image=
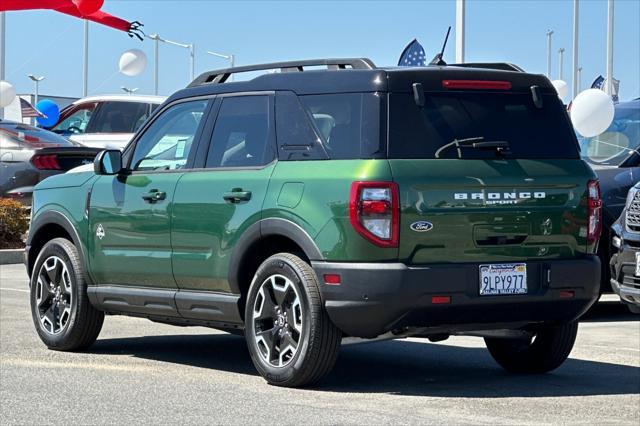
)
(7, 93)
(592, 112)
(561, 88)
(132, 62)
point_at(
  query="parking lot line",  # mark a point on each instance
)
(21, 290)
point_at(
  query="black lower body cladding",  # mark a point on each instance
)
(373, 298)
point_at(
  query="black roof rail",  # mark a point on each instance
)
(221, 75)
(504, 66)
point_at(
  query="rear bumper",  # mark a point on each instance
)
(374, 298)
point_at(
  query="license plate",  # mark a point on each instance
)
(506, 278)
(638, 264)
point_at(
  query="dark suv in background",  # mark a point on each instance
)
(615, 157)
(625, 262)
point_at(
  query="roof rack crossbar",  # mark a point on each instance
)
(221, 75)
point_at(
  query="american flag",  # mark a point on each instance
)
(29, 110)
(412, 55)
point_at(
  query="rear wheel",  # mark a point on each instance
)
(291, 339)
(544, 351)
(62, 314)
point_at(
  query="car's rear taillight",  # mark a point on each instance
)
(45, 162)
(374, 210)
(595, 211)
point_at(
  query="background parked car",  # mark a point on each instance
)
(615, 156)
(107, 121)
(30, 154)
(625, 262)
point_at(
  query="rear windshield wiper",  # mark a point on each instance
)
(477, 143)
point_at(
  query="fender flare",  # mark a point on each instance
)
(57, 218)
(265, 228)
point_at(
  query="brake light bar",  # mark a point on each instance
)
(374, 212)
(476, 84)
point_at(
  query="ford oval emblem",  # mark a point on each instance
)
(422, 226)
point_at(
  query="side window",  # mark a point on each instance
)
(165, 145)
(76, 120)
(297, 137)
(349, 123)
(241, 137)
(119, 117)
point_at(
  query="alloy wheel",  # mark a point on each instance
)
(54, 295)
(277, 320)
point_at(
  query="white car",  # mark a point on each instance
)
(107, 121)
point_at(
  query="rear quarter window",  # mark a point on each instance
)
(347, 125)
(531, 132)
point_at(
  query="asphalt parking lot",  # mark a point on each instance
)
(143, 372)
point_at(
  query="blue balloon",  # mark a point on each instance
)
(51, 110)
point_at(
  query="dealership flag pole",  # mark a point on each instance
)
(609, 80)
(460, 30)
(574, 64)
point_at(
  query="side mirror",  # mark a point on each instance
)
(108, 162)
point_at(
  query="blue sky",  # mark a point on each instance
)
(50, 44)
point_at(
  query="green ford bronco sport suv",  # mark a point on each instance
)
(331, 199)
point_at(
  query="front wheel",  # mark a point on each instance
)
(542, 352)
(291, 339)
(62, 314)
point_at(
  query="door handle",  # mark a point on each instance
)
(154, 196)
(236, 195)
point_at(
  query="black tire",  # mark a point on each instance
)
(318, 340)
(546, 351)
(634, 309)
(79, 324)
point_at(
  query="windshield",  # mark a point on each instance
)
(616, 144)
(509, 118)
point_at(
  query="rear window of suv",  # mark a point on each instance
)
(531, 132)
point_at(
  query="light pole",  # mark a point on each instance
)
(128, 90)
(36, 82)
(574, 62)
(460, 30)
(579, 80)
(156, 38)
(2, 51)
(560, 60)
(85, 60)
(549, 34)
(609, 80)
(231, 58)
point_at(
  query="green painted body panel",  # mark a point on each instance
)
(65, 194)
(65, 180)
(553, 227)
(323, 207)
(205, 227)
(187, 240)
(136, 246)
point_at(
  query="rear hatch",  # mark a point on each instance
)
(517, 189)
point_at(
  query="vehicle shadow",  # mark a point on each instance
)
(403, 367)
(609, 312)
